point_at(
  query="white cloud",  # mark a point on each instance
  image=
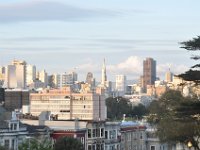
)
(132, 66)
(175, 69)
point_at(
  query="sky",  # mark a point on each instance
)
(64, 35)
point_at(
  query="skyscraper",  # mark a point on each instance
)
(103, 74)
(149, 72)
(168, 76)
(89, 79)
(43, 77)
(120, 84)
(16, 74)
(30, 74)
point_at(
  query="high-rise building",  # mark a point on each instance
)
(15, 75)
(69, 78)
(30, 74)
(120, 84)
(168, 76)
(90, 80)
(43, 77)
(103, 74)
(54, 80)
(149, 72)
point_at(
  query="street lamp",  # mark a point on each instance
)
(189, 144)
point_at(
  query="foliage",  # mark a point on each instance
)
(68, 143)
(2, 148)
(34, 144)
(139, 111)
(118, 106)
(173, 115)
(194, 73)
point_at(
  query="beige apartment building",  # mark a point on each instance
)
(67, 105)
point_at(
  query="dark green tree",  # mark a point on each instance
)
(34, 144)
(68, 143)
(116, 107)
(194, 73)
(174, 123)
(139, 111)
(2, 148)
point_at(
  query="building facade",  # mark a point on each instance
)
(120, 84)
(15, 76)
(149, 72)
(30, 74)
(67, 105)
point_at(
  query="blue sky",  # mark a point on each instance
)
(62, 35)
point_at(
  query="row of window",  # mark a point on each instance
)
(93, 133)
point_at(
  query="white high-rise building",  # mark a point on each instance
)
(43, 77)
(30, 74)
(16, 75)
(120, 84)
(56, 80)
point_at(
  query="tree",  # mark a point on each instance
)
(194, 73)
(68, 143)
(139, 111)
(34, 144)
(174, 123)
(2, 148)
(116, 107)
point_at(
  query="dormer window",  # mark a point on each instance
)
(13, 126)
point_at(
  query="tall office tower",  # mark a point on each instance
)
(149, 72)
(30, 74)
(90, 80)
(103, 74)
(15, 75)
(120, 84)
(168, 76)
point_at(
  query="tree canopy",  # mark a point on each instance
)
(34, 144)
(68, 143)
(174, 122)
(194, 73)
(118, 106)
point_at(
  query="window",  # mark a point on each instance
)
(82, 140)
(102, 146)
(94, 133)
(98, 132)
(141, 135)
(15, 126)
(93, 147)
(6, 144)
(89, 133)
(89, 147)
(102, 132)
(153, 147)
(13, 144)
(106, 134)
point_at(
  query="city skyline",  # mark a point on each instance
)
(64, 35)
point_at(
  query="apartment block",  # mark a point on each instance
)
(64, 104)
